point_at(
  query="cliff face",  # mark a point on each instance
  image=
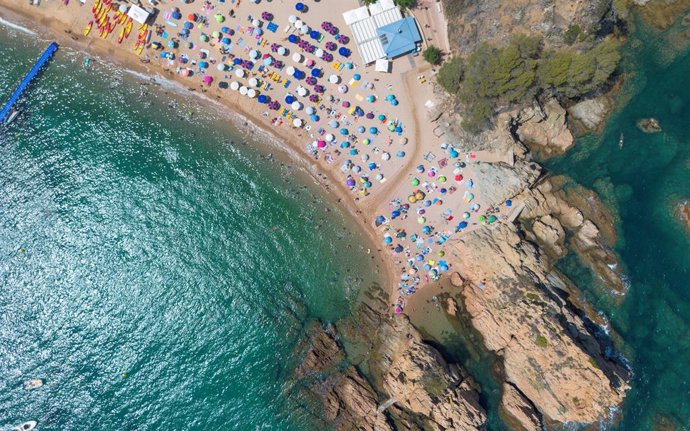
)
(495, 21)
(550, 350)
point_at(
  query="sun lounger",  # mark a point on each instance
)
(287, 83)
(353, 83)
(287, 28)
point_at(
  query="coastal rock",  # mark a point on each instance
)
(545, 129)
(683, 213)
(499, 181)
(592, 112)
(552, 353)
(649, 125)
(550, 234)
(349, 401)
(456, 279)
(518, 410)
(420, 380)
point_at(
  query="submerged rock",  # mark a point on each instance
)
(649, 125)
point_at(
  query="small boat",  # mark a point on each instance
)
(34, 383)
(26, 426)
(87, 63)
(88, 28)
(620, 141)
(10, 118)
(121, 37)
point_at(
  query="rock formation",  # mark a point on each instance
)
(545, 128)
(592, 112)
(550, 350)
(421, 381)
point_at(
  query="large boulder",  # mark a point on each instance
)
(591, 112)
(545, 129)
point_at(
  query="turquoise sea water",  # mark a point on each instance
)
(642, 183)
(155, 274)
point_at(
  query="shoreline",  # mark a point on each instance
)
(239, 117)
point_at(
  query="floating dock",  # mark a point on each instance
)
(45, 57)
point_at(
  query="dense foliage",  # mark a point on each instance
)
(513, 73)
(432, 55)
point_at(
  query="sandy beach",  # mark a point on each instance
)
(407, 187)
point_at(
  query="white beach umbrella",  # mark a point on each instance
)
(239, 73)
(220, 67)
(290, 70)
(334, 79)
(342, 88)
(297, 122)
(292, 19)
(310, 110)
(330, 137)
(251, 93)
(385, 156)
(253, 54)
(234, 85)
(298, 24)
(243, 90)
(296, 105)
(253, 82)
(282, 50)
(304, 29)
(319, 53)
(122, 8)
(297, 57)
(365, 157)
(256, 23)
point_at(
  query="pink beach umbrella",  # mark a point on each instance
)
(208, 79)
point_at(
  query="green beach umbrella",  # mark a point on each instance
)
(482, 218)
(492, 219)
(415, 182)
(216, 34)
(203, 38)
(219, 18)
(442, 179)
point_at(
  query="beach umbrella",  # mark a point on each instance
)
(381, 117)
(175, 15)
(361, 129)
(300, 6)
(415, 182)
(370, 115)
(253, 54)
(203, 37)
(334, 79)
(442, 179)
(385, 156)
(301, 91)
(400, 154)
(258, 31)
(492, 218)
(314, 34)
(215, 34)
(462, 225)
(304, 29)
(310, 110)
(123, 8)
(191, 17)
(219, 17)
(296, 106)
(387, 239)
(330, 137)
(346, 104)
(366, 141)
(223, 85)
(203, 64)
(220, 67)
(321, 144)
(239, 73)
(292, 19)
(319, 53)
(298, 24)
(226, 41)
(256, 22)
(263, 98)
(379, 221)
(394, 102)
(356, 76)
(344, 132)
(289, 99)
(331, 46)
(313, 98)
(185, 72)
(333, 124)
(234, 85)
(316, 73)
(236, 61)
(350, 182)
(253, 82)
(187, 25)
(251, 93)
(465, 215)
(373, 130)
(244, 90)
(297, 122)
(344, 51)
(273, 105)
(371, 98)
(293, 38)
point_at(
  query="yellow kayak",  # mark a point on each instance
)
(88, 28)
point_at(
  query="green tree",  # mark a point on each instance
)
(432, 55)
(406, 4)
(451, 74)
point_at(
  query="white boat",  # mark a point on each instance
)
(26, 426)
(33, 384)
(11, 117)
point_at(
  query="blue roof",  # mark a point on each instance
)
(400, 37)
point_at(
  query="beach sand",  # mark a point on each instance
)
(410, 82)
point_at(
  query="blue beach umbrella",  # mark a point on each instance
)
(293, 38)
(187, 25)
(361, 129)
(380, 220)
(344, 132)
(344, 51)
(371, 98)
(314, 34)
(203, 64)
(357, 77)
(289, 99)
(176, 15)
(388, 239)
(353, 152)
(462, 225)
(395, 214)
(316, 73)
(400, 154)
(373, 130)
(263, 99)
(314, 117)
(299, 7)
(237, 61)
(226, 41)
(426, 230)
(225, 30)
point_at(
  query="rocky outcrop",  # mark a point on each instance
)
(649, 125)
(549, 233)
(499, 181)
(421, 381)
(551, 352)
(518, 411)
(591, 113)
(544, 129)
(349, 401)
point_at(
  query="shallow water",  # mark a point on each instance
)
(155, 272)
(642, 182)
